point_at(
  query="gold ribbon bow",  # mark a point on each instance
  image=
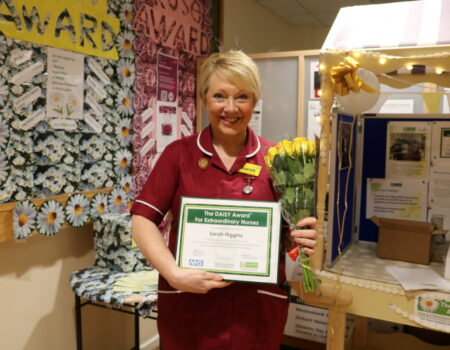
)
(345, 79)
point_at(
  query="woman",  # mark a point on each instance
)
(198, 309)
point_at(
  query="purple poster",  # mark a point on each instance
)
(167, 78)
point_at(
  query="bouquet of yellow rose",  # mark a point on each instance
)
(292, 168)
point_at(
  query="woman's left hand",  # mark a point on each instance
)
(306, 237)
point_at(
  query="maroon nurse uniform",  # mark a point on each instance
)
(243, 316)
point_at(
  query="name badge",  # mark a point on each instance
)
(250, 169)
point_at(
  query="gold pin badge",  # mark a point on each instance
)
(203, 163)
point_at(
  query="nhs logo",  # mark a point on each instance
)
(195, 262)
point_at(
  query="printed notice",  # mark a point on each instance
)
(397, 199)
(65, 84)
(167, 78)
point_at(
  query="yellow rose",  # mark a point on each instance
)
(287, 145)
(271, 153)
(297, 145)
(305, 147)
(268, 162)
(280, 149)
(311, 147)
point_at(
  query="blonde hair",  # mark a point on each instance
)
(236, 67)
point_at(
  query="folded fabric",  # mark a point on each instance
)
(140, 281)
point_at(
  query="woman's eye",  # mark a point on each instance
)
(243, 97)
(218, 96)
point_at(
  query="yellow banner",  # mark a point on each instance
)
(82, 26)
(432, 101)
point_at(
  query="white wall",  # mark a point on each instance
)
(37, 303)
(256, 29)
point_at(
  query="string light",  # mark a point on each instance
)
(439, 70)
(382, 60)
(409, 67)
(356, 54)
(322, 66)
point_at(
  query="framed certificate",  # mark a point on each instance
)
(236, 238)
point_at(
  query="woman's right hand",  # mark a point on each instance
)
(195, 281)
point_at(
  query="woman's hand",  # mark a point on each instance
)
(306, 237)
(196, 281)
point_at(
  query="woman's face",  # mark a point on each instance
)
(229, 107)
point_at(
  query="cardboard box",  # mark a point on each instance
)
(404, 240)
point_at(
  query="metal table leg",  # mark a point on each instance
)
(78, 322)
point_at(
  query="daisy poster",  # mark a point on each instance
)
(65, 84)
(166, 124)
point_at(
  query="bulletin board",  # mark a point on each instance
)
(65, 125)
(373, 162)
(341, 202)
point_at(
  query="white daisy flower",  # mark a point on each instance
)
(125, 44)
(18, 161)
(428, 304)
(68, 159)
(4, 134)
(124, 102)
(123, 132)
(7, 191)
(126, 15)
(109, 129)
(122, 161)
(4, 168)
(77, 210)
(50, 218)
(56, 98)
(24, 219)
(21, 195)
(52, 148)
(126, 183)
(99, 204)
(69, 189)
(7, 112)
(4, 91)
(125, 70)
(117, 201)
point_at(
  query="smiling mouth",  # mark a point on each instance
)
(230, 120)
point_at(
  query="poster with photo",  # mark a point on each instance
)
(314, 80)
(344, 141)
(166, 124)
(408, 150)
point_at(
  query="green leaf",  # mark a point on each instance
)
(309, 171)
(300, 179)
(293, 164)
(289, 195)
(278, 163)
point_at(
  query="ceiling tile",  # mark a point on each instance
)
(302, 20)
(283, 7)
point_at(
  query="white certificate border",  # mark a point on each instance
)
(274, 226)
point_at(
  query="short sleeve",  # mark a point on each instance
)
(156, 196)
